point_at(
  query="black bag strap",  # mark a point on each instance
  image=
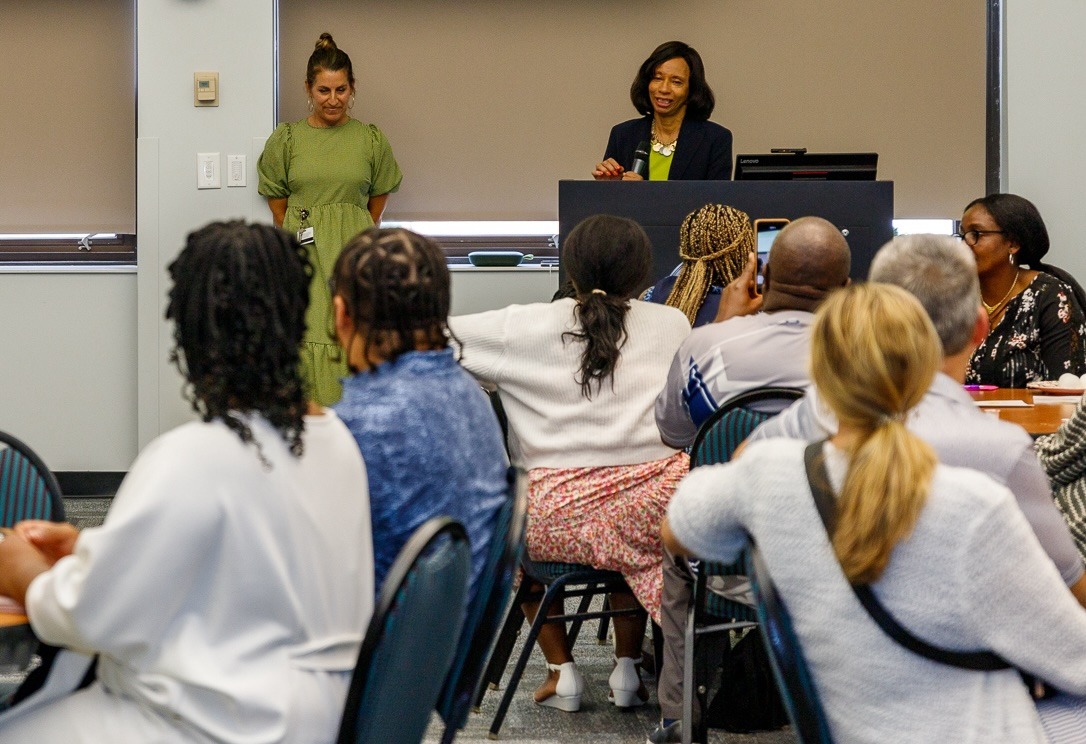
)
(981, 661)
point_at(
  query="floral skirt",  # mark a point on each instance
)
(607, 517)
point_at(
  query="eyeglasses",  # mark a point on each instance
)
(971, 237)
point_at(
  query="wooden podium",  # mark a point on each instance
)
(863, 210)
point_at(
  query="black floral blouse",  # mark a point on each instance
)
(1041, 336)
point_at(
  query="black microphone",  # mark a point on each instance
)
(640, 164)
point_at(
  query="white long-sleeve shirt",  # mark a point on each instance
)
(226, 599)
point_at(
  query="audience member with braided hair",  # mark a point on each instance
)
(810, 258)
(226, 593)
(946, 550)
(714, 243)
(577, 378)
(427, 432)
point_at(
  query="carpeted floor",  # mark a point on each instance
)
(598, 721)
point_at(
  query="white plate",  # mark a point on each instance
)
(1052, 387)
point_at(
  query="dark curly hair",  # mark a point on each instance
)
(395, 284)
(608, 260)
(1020, 222)
(238, 304)
(700, 101)
(327, 56)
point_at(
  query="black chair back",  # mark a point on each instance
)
(721, 433)
(487, 611)
(1069, 280)
(411, 638)
(786, 657)
(28, 490)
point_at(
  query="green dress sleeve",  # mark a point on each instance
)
(273, 164)
(386, 171)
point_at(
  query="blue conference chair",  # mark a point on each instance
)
(485, 614)
(723, 432)
(411, 639)
(786, 657)
(562, 581)
(709, 612)
(28, 490)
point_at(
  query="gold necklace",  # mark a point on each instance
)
(660, 147)
(993, 308)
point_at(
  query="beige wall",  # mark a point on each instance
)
(488, 103)
(1045, 152)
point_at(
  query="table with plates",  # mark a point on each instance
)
(1038, 417)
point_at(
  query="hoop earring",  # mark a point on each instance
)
(311, 105)
(350, 102)
(1010, 257)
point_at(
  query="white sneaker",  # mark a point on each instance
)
(567, 695)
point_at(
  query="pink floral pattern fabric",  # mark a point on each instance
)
(606, 517)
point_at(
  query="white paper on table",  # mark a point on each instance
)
(1055, 399)
(1003, 404)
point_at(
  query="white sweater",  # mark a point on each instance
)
(971, 576)
(520, 350)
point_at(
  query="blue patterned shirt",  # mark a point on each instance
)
(432, 447)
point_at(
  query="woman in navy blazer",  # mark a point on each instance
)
(671, 92)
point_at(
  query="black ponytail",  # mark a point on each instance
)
(608, 260)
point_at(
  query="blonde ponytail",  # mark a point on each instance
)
(884, 491)
(874, 353)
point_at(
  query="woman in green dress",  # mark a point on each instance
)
(327, 178)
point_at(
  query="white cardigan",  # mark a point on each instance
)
(970, 576)
(520, 350)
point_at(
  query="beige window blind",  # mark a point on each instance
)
(488, 103)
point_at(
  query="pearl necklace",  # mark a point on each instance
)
(660, 147)
(993, 309)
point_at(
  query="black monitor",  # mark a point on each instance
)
(863, 210)
(803, 166)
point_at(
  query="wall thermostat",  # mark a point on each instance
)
(206, 89)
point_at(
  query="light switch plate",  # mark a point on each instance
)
(208, 167)
(235, 170)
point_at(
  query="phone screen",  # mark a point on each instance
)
(766, 232)
(765, 241)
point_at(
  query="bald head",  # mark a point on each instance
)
(809, 258)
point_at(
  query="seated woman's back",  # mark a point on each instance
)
(426, 430)
(243, 539)
(523, 351)
(227, 592)
(432, 447)
(965, 579)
